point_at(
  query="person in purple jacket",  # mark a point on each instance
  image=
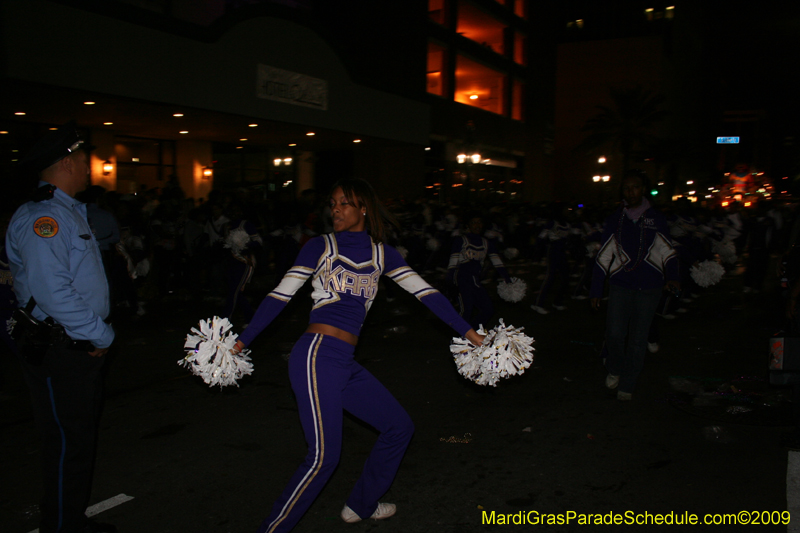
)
(344, 267)
(468, 253)
(636, 256)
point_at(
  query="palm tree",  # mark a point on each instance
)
(627, 126)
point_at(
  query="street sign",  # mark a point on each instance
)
(727, 140)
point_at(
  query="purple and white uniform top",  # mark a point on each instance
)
(345, 269)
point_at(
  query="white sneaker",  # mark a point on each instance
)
(652, 347)
(384, 510)
(579, 297)
(624, 396)
(560, 307)
(540, 310)
(612, 381)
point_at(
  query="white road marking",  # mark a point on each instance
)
(103, 506)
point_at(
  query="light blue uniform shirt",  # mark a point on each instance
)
(62, 269)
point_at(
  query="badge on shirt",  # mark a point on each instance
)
(45, 227)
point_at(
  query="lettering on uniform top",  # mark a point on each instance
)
(471, 253)
(341, 280)
(45, 227)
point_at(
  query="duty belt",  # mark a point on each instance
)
(45, 332)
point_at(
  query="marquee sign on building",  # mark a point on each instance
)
(291, 88)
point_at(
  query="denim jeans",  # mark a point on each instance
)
(630, 312)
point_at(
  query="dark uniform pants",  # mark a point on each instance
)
(66, 393)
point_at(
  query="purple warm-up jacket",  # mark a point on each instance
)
(634, 255)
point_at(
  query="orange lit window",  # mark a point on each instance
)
(521, 9)
(478, 26)
(436, 64)
(520, 53)
(518, 100)
(479, 86)
(436, 11)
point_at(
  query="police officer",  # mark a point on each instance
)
(58, 273)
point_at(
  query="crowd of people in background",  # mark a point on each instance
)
(159, 244)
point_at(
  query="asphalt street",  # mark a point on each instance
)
(701, 436)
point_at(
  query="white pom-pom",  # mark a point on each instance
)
(433, 244)
(10, 324)
(237, 240)
(511, 253)
(402, 251)
(512, 292)
(707, 273)
(141, 269)
(505, 352)
(208, 353)
(726, 251)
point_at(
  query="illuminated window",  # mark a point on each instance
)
(479, 26)
(518, 100)
(479, 86)
(521, 9)
(520, 52)
(436, 64)
(436, 11)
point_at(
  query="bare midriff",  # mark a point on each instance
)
(325, 329)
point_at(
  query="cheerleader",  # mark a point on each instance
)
(344, 267)
(636, 255)
(467, 255)
(242, 241)
(556, 233)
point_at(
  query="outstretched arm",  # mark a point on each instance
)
(273, 304)
(402, 274)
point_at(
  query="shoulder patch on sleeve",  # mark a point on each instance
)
(45, 227)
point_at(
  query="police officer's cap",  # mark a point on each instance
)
(54, 147)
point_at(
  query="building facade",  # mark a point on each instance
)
(279, 95)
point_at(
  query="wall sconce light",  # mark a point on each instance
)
(108, 167)
(208, 172)
(277, 162)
